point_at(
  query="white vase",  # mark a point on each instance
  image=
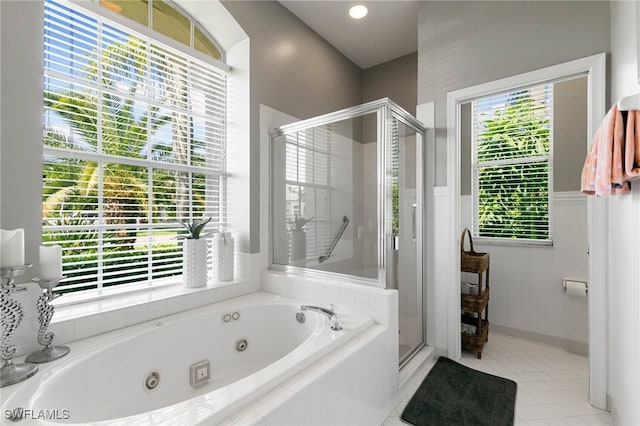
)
(298, 247)
(194, 263)
(222, 257)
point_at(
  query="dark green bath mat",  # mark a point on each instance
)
(453, 394)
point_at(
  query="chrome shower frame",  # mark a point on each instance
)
(385, 110)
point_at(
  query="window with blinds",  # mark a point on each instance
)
(134, 135)
(512, 165)
(309, 174)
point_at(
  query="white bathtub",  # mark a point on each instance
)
(102, 380)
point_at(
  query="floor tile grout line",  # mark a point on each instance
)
(506, 356)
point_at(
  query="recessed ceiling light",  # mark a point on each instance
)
(358, 11)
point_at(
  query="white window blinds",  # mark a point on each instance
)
(309, 174)
(134, 136)
(512, 164)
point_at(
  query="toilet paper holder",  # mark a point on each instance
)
(573, 282)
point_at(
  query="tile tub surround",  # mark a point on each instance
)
(379, 304)
(352, 386)
(76, 319)
(357, 384)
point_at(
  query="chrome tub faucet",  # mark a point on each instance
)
(334, 318)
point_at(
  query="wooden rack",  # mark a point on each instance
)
(478, 305)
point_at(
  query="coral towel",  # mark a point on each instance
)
(614, 156)
(632, 145)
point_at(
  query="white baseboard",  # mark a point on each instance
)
(573, 346)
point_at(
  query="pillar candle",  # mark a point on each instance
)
(11, 248)
(50, 262)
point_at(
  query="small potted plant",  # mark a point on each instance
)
(194, 253)
(298, 240)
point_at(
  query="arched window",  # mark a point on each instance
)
(134, 138)
(167, 19)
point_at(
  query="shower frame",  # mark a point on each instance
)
(385, 110)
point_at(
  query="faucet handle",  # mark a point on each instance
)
(336, 322)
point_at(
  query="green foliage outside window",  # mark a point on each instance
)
(114, 116)
(513, 171)
(71, 186)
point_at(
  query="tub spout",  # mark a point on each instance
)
(334, 318)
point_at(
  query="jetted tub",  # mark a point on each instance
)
(106, 379)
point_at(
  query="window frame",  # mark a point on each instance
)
(523, 160)
(132, 28)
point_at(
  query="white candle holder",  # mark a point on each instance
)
(12, 314)
(45, 313)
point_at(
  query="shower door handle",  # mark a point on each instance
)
(413, 222)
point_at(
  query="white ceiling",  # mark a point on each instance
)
(389, 31)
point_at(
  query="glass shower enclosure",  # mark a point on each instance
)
(346, 200)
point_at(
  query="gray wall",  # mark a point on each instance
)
(569, 136)
(570, 139)
(396, 80)
(21, 122)
(293, 70)
(462, 44)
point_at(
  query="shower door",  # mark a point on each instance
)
(403, 152)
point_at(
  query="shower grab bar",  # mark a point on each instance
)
(345, 223)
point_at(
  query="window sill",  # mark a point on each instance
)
(126, 291)
(91, 313)
(508, 242)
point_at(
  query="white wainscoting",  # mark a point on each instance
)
(437, 301)
(527, 296)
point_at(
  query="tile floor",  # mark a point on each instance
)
(552, 383)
